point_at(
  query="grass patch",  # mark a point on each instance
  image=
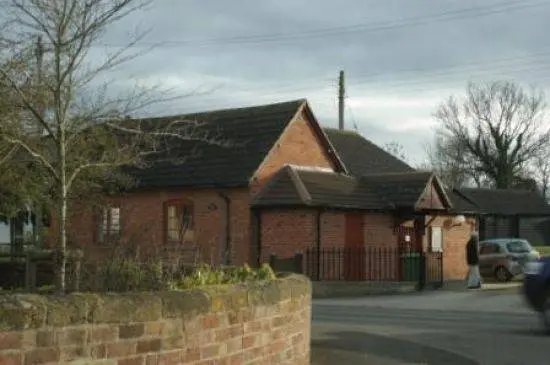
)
(544, 250)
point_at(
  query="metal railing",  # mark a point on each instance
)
(372, 264)
(34, 269)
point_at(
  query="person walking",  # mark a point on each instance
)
(472, 258)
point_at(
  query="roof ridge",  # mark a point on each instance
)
(220, 110)
(310, 168)
(514, 190)
(301, 188)
(413, 172)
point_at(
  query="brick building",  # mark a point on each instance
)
(283, 184)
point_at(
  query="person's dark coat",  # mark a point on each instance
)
(472, 251)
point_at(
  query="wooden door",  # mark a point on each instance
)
(354, 252)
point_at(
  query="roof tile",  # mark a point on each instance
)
(361, 156)
(252, 131)
(329, 189)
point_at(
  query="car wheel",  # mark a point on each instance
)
(502, 274)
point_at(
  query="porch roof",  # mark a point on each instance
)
(313, 187)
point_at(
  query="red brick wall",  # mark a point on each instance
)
(298, 145)
(238, 327)
(454, 246)
(333, 229)
(379, 230)
(142, 222)
(285, 232)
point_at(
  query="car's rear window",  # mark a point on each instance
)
(518, 247)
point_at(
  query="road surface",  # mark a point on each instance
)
(442, 327)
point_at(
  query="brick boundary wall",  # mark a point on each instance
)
(258, 323)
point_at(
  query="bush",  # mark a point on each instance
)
(205, 275)
(123, 275)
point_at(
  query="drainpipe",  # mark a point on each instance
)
(226, 254)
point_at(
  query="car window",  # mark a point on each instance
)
(497, 248)
(518, 247)
(486, 249)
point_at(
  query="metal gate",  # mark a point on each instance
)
(416, 264)
(433, 269)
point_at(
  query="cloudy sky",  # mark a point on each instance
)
(401, 57)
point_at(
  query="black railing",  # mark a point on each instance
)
(36, 269)
(372, 264)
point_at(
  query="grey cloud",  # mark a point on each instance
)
(375, 61)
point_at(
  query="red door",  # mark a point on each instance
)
(354, 251)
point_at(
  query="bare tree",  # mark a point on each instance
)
(494, 132)
(537, 175)
(78, 139)
(448, 160)
(396, 149)
(542, 171)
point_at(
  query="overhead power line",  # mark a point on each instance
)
(363, 28)
(397, 86)
(492, 67)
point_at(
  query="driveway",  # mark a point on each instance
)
(442, 327)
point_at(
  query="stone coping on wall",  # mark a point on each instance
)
(260, 322)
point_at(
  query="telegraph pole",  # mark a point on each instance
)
(341, 97)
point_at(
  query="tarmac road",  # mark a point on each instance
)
(455, 328)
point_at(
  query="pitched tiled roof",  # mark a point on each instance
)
(251, 131)
(299, 186)
(460, 204)
(505, 201)
(363, 157)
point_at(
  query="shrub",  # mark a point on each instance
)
(124, 274)
(205, 275)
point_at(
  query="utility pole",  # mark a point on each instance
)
(341, 97)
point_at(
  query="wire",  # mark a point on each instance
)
(422, 86)
(465, 13)
(352, 82)
(352, 116)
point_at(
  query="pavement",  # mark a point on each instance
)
(490, 326)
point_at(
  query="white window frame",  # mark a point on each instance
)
(109, 224)
(436, 239)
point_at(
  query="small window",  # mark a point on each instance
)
(109, 225)
(436, 239)
(179, 221)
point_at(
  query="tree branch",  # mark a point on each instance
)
(42, 122)
(37, 156)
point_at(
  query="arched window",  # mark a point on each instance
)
(179, 221)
